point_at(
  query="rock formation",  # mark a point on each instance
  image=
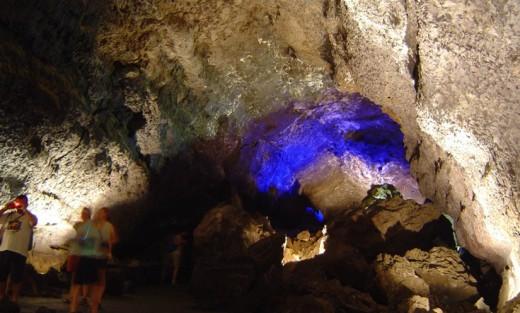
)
(243, 269)
(439, 275)
(305, 246)
(227, 254)
(99, 95)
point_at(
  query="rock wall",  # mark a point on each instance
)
(59, 144)
(468, 108)
(452, 70)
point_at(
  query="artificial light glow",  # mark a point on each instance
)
(304, 246)
(348, 127)
(318, 215)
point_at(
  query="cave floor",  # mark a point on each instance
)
(156, 299)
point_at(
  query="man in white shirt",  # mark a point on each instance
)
(17, 225)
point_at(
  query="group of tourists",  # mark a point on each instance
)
(89, 252)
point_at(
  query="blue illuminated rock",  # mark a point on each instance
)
(332, 151)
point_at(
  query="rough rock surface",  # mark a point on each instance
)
(445, 273)
(392, 225)
(439, 275)
(227, 256)
(308, 277)
(304, 246)
(52, 146)
(398, 278)
(460, 60)
(406, 213)
(448, 72)
(348, 265)
(340, 184)
(333, 295)
(512, 306)
(227, 232)
(468, 108)
(416, 304)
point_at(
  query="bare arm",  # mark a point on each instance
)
(113, 235)
(3, 215)
(33, 220)
(5, 208)
(112, 240)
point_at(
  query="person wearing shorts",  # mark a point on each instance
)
(108, 239)
(17, 228)
(88, 242)
(74, 255)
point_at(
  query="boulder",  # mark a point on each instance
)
(415, 304)
(310, 277)
(227, 232)
(344, 298)
(267, 251)
(445, 273)
(392, 225)
(231, 248)
(304, 275)
(305, 246)
(398, 279)
(329, 296)
(439, 275)
(348, 265)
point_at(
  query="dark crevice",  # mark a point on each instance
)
(412, 32)
(326, 54)
(416, 154)
(416, 73)
(325, 10)
(83, 134)
(51, 195)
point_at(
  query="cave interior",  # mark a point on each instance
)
(302, 155)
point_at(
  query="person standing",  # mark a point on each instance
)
(17, 224)
(108, 239)
(88, 241)
(177, 256)
(75, 253)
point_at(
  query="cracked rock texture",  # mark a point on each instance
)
(98, 93)
(438, 274)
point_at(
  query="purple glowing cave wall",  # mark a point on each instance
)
(282, 144)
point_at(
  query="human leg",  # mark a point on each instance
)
(16, 275)
(85, 276)
(72, 268)
(84, 294)
(4, 273)
(95, 298)
(74, 295)
(98, 287)
(102, 275)
(97, 292)
(176, 255)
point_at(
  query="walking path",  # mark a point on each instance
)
(163, 299)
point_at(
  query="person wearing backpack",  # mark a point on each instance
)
(17, 224)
